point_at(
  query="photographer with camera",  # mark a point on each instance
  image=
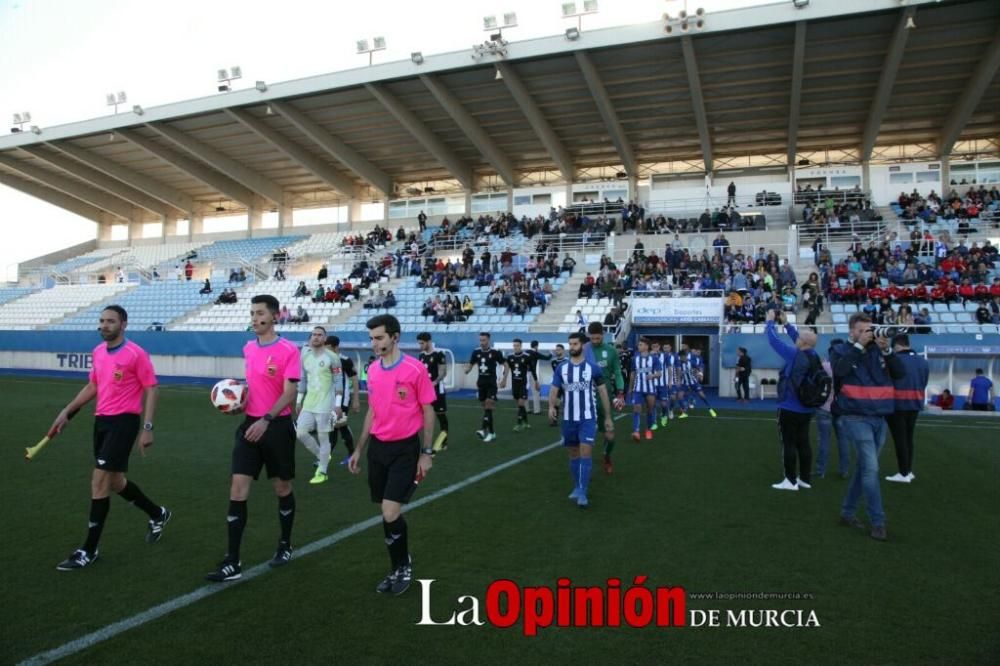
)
(793, 415)
(864, 369)
(909, 403)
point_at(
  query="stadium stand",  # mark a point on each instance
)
(148, 305)
(13, 293)
(51, 305)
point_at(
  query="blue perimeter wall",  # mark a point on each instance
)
(223, 344)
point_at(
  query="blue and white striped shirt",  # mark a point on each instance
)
(644, 367)
(578, 384)
(669, 362)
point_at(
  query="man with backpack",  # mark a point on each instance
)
(865, 368)
(803, 386)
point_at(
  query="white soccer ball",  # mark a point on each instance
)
(229, 396)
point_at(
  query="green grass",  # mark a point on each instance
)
(693, 508)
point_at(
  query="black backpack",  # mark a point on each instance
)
(816, 385)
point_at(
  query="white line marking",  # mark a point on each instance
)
(158, 611)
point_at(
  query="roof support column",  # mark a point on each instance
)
(285, 216)
(255, 218)
(945, 176)
(169, 228)
(135, 226)
(866, 177)
(196, 226)
(468, 202)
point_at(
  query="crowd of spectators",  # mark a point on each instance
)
(975, 203)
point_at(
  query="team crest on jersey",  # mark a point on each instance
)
(119, 374)
(272, 370)
(401, 391)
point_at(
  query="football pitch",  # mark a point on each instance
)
(693, 508)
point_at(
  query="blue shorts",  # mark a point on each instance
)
(575, 433)
(662, 392)
(640, 398)
(693, 388)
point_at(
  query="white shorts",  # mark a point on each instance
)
(318, 421)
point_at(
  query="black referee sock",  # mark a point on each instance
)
(98, 514)
(395, 541)
(348, 436)
(131, 493)
(443, 420)
(286, 515)
(522, 414)
(237, 521)
(488, 420)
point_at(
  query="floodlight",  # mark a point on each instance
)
(26, 116)
(363, 46)
(223, 75)
(510, 20)
(261, 86)
(489, 23)
(137, 110)
(379, 43)
(110, 99)
(569, 9)
(417, 57)
(17, 118)
(235, 72)
(572, 34)
(122, 97)
(36, 129)
(800, 4)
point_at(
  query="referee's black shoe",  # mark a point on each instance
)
(77, 560)
(228, 570)
(155, 529)
(404, 575)
(282, 556)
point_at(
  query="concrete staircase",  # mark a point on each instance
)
(564, 300)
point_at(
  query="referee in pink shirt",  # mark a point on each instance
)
(400, 412)
(121, 378)
(266, 438)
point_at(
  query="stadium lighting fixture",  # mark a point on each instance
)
(572, 34)
(20, 120)
(800, 4)
(36, 129)
(491, 24)
(261, 86)
(684, 21)
(417, 57)
(376, 44)
(570, 10)
(112, 99)
(137, 110)
(227, 76)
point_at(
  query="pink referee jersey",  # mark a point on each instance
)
(121, 374)
(397, 395)
(267, 367)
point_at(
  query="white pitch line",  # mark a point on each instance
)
(158, 611)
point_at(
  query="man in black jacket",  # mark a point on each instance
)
(744, 365)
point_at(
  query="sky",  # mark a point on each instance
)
(59, 58)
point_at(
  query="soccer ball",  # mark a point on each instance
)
(229, 396)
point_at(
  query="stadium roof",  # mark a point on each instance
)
(768, 80)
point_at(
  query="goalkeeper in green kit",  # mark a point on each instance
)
(606, 356)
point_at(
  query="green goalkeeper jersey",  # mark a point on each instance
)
(606, 356)
(320, 375)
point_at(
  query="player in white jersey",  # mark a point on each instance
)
(317, 398)
(646, 370)
(349, 399)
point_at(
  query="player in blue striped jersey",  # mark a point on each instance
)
(662, 386)
(669, 362)
(580, 383)
(646, 369)
(689, 380)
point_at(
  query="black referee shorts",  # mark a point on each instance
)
(519, 390)
(487, 391)
(440, 403)
(275, 450)
(114, 437)
(392, 469)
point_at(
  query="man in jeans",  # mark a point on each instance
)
(827, 424)
(864, 369)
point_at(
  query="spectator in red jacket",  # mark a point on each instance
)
(966, 291)
(982, 292)
(995, 287)
(937, 294)
(951, 292)
(946, 400)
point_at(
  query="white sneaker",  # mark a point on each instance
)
(481, 434)
(803, 484)
(490, 437)
(911, 477)
(784, 485)
(898, 478)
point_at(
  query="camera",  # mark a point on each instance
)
(882, 331)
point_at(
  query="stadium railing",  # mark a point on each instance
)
(838, 197)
